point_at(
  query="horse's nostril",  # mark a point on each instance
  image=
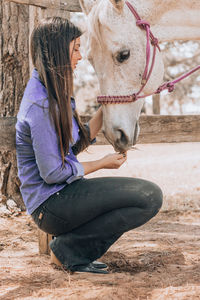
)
(123, 138)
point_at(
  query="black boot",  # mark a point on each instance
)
(99, 264)
(88, 269)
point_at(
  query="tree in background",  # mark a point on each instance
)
(16, 24)
(14, 74)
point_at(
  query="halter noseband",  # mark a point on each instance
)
(147, 71)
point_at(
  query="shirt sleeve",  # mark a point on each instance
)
(47, 152)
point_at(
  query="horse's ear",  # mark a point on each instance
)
(87, 5)
(118, 4)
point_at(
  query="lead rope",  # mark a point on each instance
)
(170, 85)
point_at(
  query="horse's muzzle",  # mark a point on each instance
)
(124, 141)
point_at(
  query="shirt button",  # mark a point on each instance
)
(57, 193)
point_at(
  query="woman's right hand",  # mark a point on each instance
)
(110, 161)
(113, 161)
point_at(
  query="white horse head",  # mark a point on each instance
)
(117, 51)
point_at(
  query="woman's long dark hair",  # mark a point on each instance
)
(50, 52)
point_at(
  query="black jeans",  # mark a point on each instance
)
(89, 215)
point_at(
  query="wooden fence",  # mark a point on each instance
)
(154, 129)
(67, 5)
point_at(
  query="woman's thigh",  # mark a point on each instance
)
(84, 200)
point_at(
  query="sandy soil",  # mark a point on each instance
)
(160, 260)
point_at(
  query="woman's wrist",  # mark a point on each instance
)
(92, 166)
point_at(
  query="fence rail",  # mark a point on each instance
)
(154, 129)
(68, 5)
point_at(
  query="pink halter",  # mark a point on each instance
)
(147, 71)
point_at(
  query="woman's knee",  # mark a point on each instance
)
(154, 196)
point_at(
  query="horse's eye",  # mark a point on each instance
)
(123, 55)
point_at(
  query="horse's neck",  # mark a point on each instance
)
(171, 19)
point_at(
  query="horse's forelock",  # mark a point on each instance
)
(94, 23)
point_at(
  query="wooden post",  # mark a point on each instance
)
(44, 240)
(156, 104)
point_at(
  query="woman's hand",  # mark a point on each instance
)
(113, 161)
(110, 161)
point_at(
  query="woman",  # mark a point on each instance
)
(86, 216)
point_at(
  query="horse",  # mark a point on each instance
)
(117, 49)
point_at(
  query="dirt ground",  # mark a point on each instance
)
(158, 261)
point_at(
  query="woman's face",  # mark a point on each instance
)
(74, 52)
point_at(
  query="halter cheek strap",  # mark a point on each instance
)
(151, 40)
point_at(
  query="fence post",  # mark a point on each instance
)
(156, 104)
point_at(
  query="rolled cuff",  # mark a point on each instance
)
(78, 172)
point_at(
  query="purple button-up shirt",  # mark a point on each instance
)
(39, 160)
